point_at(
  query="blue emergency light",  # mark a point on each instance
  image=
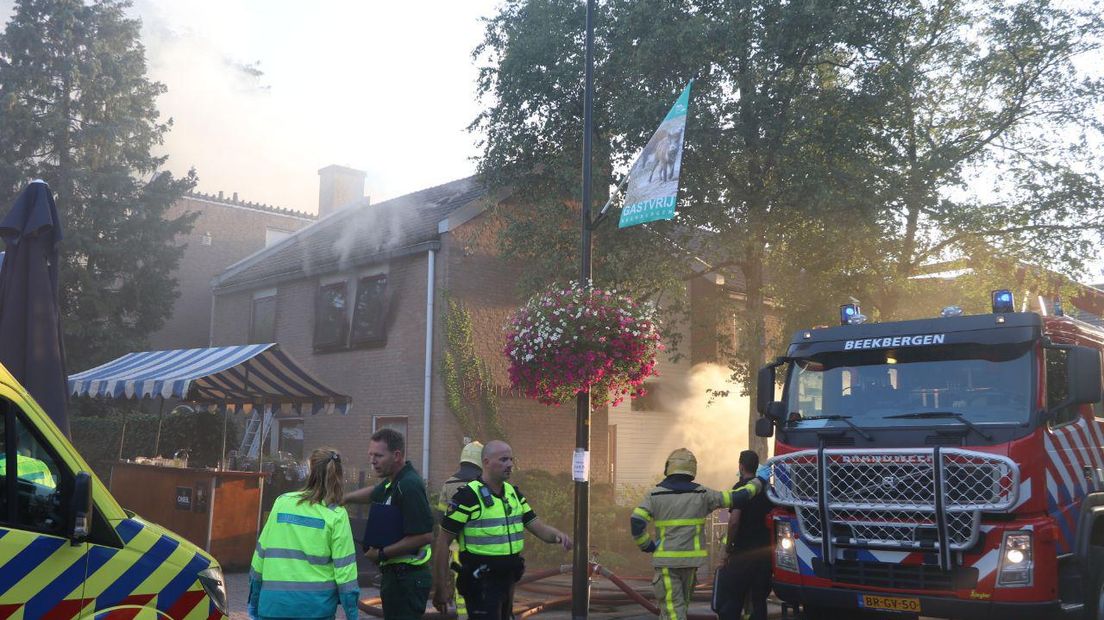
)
(848, 312)
(1003, 302)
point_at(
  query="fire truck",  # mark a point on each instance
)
(947, 467)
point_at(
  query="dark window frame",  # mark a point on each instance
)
(253, 336)
(341, 339)
(379, 337)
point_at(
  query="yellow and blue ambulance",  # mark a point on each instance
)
(69, 550)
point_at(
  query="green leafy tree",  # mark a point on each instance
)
(986, 144)
(77, 110)
(776, 135)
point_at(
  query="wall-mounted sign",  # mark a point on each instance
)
(183, 498)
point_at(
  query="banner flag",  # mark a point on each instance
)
(654, 177)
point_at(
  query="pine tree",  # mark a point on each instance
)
(77, 110)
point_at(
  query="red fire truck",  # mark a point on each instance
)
(948, 467)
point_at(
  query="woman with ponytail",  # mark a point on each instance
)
(305, 563)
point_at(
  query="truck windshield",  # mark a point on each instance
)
(990, 383)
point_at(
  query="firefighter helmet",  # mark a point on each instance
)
(681, 461)
(472, 453)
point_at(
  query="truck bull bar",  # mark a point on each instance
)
(917, 499)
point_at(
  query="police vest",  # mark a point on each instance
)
(497, 528)
(30, 469)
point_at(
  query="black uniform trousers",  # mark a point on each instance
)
(747, 578)
(488, 591)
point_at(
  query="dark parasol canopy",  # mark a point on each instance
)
(31, 345)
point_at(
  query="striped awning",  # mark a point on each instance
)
(237, 376)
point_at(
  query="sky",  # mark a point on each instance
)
(384, 87)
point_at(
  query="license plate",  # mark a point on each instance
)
(890, 603)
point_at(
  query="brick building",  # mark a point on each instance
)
(226, 231)
(349, 298)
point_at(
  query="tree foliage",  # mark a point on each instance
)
(834, 149)
(77, 110)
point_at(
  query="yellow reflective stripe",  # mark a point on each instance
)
(697, 538)
(662, 538)
(726, 499)
(640, 540)
(681, 554)
(676, 522)
(670, 596)
(640, 512)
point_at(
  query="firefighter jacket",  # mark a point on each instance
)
(678, 508)
(305, 563)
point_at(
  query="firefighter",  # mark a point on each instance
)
(678, 508)
(470, 469)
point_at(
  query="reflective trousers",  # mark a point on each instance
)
(673, 589)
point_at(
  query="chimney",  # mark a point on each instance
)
(337, 187)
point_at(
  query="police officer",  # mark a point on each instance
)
(487, 517)
(678, 507)
(471, 458)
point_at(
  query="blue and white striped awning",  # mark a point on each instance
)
(235, 376)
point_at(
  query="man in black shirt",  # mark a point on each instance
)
(748, 552)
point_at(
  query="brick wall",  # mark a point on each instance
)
(236, 231)
(383, 381)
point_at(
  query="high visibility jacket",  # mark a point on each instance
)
(30, 469)
(678, 507)
(305, 563)
(494, 526)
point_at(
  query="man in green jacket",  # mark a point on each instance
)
(404, 564)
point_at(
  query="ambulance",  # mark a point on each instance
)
(69, 550)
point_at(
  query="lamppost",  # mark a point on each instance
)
(580, 576)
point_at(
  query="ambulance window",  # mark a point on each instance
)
(38, 496)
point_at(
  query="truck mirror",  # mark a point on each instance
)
(764, 427)
(764, 389)
(80, 510)
(1083, 375)
(776, 411)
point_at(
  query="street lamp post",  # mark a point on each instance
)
(580, 576)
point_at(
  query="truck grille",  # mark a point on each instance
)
(904, 576)
(888, 498)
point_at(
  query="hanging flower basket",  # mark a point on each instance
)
(568, 339)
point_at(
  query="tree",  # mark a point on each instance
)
(776, 134)
(77, 110)
(985, 94)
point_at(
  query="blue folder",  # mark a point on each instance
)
(385, 526)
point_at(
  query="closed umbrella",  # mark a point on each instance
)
(31, 346)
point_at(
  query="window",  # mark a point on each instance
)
(262, 322)
(291, 437)
(40, 481)
(1057, 387)
(370, 310)
(275, 235)
(395, 423)
(331, 321)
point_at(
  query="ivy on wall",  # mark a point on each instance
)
(469, 390)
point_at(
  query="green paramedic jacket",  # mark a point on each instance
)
(678, 508)
(305, 562)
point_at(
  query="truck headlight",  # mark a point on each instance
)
(785, 547)
(1016, 560)
(215, 586)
